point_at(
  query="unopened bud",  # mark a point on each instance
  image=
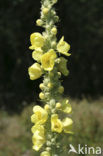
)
(39, 22)
(54, 30)
(41, 86)
(58, 105)
(45, 11)
(42, 96)
(61, 89)
(50, 85)
(46, 107)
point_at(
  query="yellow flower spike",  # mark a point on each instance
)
(45, 153)
(61, 89)
(56, 124)
(54, 30)
(37, 54)
(48, 60)
(45, 11)
(40, 115)
(62, 66)
(38, 138)
(42, 96)
(67, 125)
(63, 47)
(66, 107)
(35, 71)
(37, 41)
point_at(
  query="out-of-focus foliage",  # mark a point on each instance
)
(81, 22)
(88, 129)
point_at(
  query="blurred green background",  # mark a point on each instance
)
(81, 22)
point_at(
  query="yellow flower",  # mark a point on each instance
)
(48, 60)
(56, 124)
(63, 47)
(62, 66)
(37, 54)
(40, 115)
(45, 153)
(38, 138)
(35, 71)
(66, 107)
(67, 125)
(37, 41)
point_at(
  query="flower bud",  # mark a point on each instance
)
(45, 153)
(52, 102)
(53, 44)
(59, 74)
(54, 30)
(46, 107)
(48, 143)
(56, 18)
(39, 22)
(45, 11)
(48, 149)
(55, 1)
(61, 89)
(50, 85)
(58, 105)
(42, 96)
(41, 86)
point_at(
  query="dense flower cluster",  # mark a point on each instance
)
(51, 121)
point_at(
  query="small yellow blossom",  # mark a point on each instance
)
(56, 124)
(35, 71)
(38, 138)
(63, 47)
(45, 153)
(42, 96)
(66, 107)
(48, 60)
(37, 41)
(40, 115)
(67, 125)
(62, 66)
(37, 54)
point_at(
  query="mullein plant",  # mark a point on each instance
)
(52, 123)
